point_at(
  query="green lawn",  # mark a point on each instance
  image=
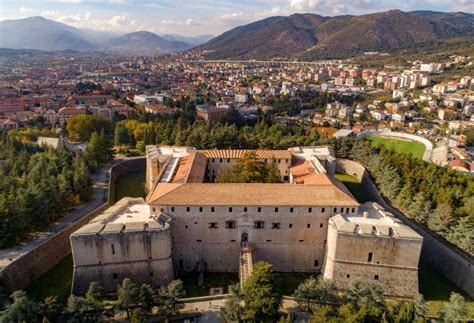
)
(400, 146)
(130, 185)
(354, 186)
(57, 282)
(287, 283)
(190, 282)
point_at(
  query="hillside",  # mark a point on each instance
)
(41, 34)
(146, 40)
(309, 36)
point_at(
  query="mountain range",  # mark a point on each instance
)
(43, 34)
(310, 36)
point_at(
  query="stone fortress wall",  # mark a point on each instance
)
(456, 265)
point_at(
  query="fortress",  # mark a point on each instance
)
(309, 223)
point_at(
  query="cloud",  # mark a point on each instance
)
(25, 10)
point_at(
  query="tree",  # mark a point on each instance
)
(121, 135)
(50, 308)
(262, 300)
(314, 290)
(358, 295)
(99, 149)
(455, 310)
(22, 310)
(127, 295)
(233, 305)
(93, 294)
(249, 169)
(442, 218)
(167, 298)
(146, 298)
(81, 127)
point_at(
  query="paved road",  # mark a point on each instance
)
(100, 190)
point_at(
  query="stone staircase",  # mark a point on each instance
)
(246, 264)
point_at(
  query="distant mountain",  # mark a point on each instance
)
(144, 40)
(191, 40)
(42, 34)
(310, 36)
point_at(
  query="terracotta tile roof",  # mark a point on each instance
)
(250, 194)
(191, 169)
(239, 153)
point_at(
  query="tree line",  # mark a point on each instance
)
(436, 197)
(136, 302)
(37, 186)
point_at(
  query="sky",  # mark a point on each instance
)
(191, 18)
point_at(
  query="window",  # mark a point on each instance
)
(172, 209)
(113, 249)
(198, 240)
(228, 160)
(212, 225)
(347, 210)
(308, 225)
(213, 160)
(220, 160)
(291, 210)
(230, 210)
(310, 210)
(301, 240)
(376, 277)
(316, 263)
(245, 209)
(370, 257)
(322, 210)
(269, 240)
(188, 209)
(212, 209)
(276, 209)
(153, 209)
(259, 224)
(233, 240)
(186, 226)
(230, 224)
(290, 225)
(151, 274)
(321, 225)
(353, 210)
(335, 210)
(276, 225)
(181, 264)
(259, 210)
(114, 276)
(200, 209)
(342, 209)
(348, 276)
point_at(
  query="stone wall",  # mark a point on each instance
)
(456, 265)
(21, 272)
(124, 167)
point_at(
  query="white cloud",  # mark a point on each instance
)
(26, 10)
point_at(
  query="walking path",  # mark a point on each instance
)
(100, 186)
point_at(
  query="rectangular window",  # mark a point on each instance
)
(301, 240)
(370, 257)
(245, 209)
(230, 224)
(114, 276)
(230, 210)
(347, 210)
(290, 225)
(291, 210)
(316, 263)
(259, 210)
(321, 225)
(276, 225)
(269, 240)
(186, 226)
(212, 225)
(113, 249)
(228, 160)
(188, 209)
(310, 210)
(276, 209)
(308, 225)
(198, 240)
(212, 209)
(323, 209)
(342, 209)
(348, 276)
(220, 160)
(376, 277)
(259, 224)
(200, 209)
(353, 210)
(335, 210)
(172, 209)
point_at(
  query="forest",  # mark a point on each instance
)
(37, 186)
(436, 197)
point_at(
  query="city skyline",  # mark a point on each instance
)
(206, 17)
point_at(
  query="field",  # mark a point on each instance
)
(400, 146)
(130, 185)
